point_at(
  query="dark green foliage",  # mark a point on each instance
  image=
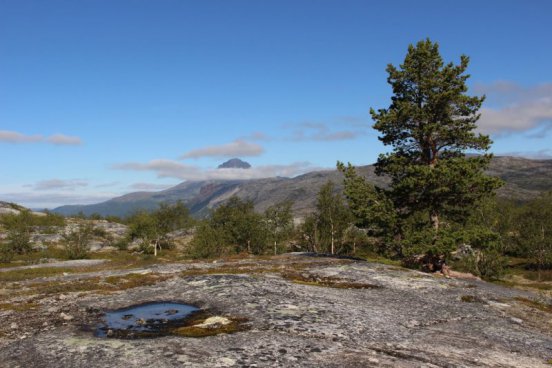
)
(435, 187)
(77, 242)
(430, 124)
(372, 210)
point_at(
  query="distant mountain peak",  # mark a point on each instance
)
(234, 163)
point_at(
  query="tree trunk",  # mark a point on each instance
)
(434, 218)
(155, 248)
(274, 247)
(332, 230)
(249, 246)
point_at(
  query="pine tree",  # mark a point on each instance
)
(430, 125)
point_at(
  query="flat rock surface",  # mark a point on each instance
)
(403, 319)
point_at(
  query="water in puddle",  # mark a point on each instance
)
(144, 320)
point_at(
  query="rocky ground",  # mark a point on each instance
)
(295, 310)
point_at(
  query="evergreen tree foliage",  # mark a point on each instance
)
(430, 125)
(371, 207)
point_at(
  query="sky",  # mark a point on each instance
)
(103, 97)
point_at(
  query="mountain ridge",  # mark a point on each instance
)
(524, 179)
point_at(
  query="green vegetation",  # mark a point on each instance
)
(19, 227)
(330, 228)
(435, 188)
(153, 229)
(77, 242)
(235, 227)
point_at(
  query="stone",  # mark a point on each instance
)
(214, 322)
(66, 317)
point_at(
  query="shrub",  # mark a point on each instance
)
(77, 242)
(6, 253)
(488, 265)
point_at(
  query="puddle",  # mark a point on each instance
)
(144, 320)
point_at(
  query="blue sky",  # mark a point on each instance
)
(103, 97)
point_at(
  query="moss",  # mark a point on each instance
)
(19, 307)
(400, 269)
(236, 324)
(98, 284)
(333, 282)
(470, 299)
(535, 304)
(521, 285)
(32, 273)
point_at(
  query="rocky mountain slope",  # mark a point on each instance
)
(524, 179)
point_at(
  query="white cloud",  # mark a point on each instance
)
(56, 184)
(9, 136)
(52, 200)
(60, 139)
(516, 109)
(174, 169)
(544, 154)
(150, 186)
(256, 136)
(16, 137)
(321, 132)
(237, 148)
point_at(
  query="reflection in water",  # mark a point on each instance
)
(144, 320)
